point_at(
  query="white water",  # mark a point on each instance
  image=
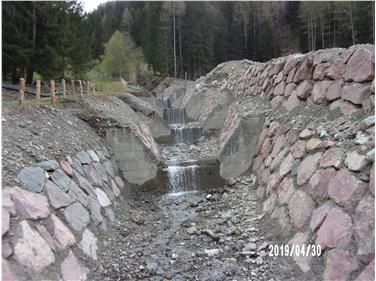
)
(182, 179)
(174, 115)
(184, 134)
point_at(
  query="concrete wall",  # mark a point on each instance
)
(238, 150)
(135, 161)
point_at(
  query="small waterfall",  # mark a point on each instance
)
(188, 135)
(174, 115)
(182, 178)
(165, 103)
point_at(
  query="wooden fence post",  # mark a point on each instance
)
(22, 91)
(81, 91)
(37, 92)
(73, 90)
(53, 97)
(64, 88)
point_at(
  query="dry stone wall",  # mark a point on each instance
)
(314, 156)
(50, 222)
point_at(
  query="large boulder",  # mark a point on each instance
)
(360, 67)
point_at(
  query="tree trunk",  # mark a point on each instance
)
(352, 24)
(180, 50)
(308, 36)
(30, 68)
(322, 33)
(245, 32)
(254, 36)
(174, 26)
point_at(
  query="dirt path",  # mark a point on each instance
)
(198, 236)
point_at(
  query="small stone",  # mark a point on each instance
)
(307, 167)
(355, 93)
(46, 236)
(319, 91)
(368, 273)
(368, 122)
(306, 134)
(348, 108)
(71, 269)
(78, 167)
(57, 197)
(319, 183)
(6, 201)
(119, 182)
(69, 160)
(372, 180)
(333, 157)
(345, 189)
(212, 252)
(32, 178)
(104, 201)
(89, 244)
(77, 194)
(115, 188)
(5, 221)
(300, 208)
(93, 175)
(210, 233)
(66, 167)
(110, 170)
(152, 268)
(304, 89)
(313, 144)
(28, 204)
(192, 230)
(339, 265)
(364, 230)
(61, 180)
(356, 162)
(334, 91)
(84, 157)
(298, 149)
(335, 231)
(49, 165)
(285, 190)
(319, 214)
(292, 101)
(31, 250)
(61, 233)
(110, 214)
(94, 156)
(269, 204)
(360, 67)
(137, 219)
(77, 216)
(303, 261)
(286, 165)
(100, 155)
(6, 250)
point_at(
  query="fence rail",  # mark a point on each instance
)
(90, 89)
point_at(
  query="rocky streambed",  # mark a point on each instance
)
(220, 234)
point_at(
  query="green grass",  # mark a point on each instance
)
(108, 87)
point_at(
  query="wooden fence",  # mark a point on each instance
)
(89, 84)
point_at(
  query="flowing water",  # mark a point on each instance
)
(182, 178)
